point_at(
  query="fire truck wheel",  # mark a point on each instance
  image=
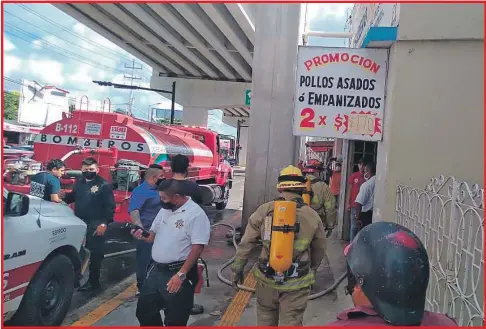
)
(222, 205)
(49, 294)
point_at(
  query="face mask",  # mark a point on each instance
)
(89, 175)
(167, 205)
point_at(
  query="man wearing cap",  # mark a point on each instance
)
(282, 303)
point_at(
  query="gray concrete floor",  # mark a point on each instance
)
(217, 297)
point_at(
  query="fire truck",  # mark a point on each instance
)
(124, 148)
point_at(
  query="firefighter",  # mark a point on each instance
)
(283, 300)
(388, 277)
(322, 200)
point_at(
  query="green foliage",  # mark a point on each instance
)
(10, 105)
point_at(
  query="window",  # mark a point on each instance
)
(58, 93)
(365, 151)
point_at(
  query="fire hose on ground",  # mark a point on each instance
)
(245, 288)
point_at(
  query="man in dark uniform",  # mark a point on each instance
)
(179, 166)
(95, 205)
(388, 275)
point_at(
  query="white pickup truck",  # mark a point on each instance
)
(44, 259)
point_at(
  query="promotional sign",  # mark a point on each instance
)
(340, 93)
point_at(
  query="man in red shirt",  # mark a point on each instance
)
(354, 183)
(388, 276)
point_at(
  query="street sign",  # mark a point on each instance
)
(340, 93)
(247, 97)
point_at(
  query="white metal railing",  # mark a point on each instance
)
(448, 216)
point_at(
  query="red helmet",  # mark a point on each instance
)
(310, 170)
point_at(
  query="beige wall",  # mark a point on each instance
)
(434, 117)
(441, 21)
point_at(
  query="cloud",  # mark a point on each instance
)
(48, 71)
(11, 64)
(82, 75)
(329, 17)
(37, 44)
(79, 28)
(8, 45)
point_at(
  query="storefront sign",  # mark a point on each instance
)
(340, 93)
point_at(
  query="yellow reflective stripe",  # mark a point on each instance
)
(289, 285)
(301, 244)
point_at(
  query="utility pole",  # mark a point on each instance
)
(132, 77)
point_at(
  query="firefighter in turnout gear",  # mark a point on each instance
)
(322, 200)
(282, 291)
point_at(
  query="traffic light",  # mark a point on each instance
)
(103, 83)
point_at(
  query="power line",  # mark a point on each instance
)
(132, 77)
(61, 38)
(82, 60)
(33, 36)
(69, 31)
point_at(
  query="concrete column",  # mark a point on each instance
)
(271, 145)
(244, 146)
(195, 116)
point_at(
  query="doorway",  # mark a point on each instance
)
(357, 150)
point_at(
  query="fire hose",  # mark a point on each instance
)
(249, 289)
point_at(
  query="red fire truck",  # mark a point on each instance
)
(124, 147)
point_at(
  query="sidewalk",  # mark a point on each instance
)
(239, 170)
(218, 296)
(324, 309)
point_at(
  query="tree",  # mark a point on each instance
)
(10, 105)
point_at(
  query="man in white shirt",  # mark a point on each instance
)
(179, 233)
(364, 200)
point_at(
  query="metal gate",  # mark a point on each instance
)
(448, 216)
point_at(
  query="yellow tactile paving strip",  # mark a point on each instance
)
(235, 310)
(104, 309)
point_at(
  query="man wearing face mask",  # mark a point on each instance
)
(94, 203)
(365, 198)
(179, 234)
(143, 207)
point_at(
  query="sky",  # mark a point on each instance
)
(44, 44)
